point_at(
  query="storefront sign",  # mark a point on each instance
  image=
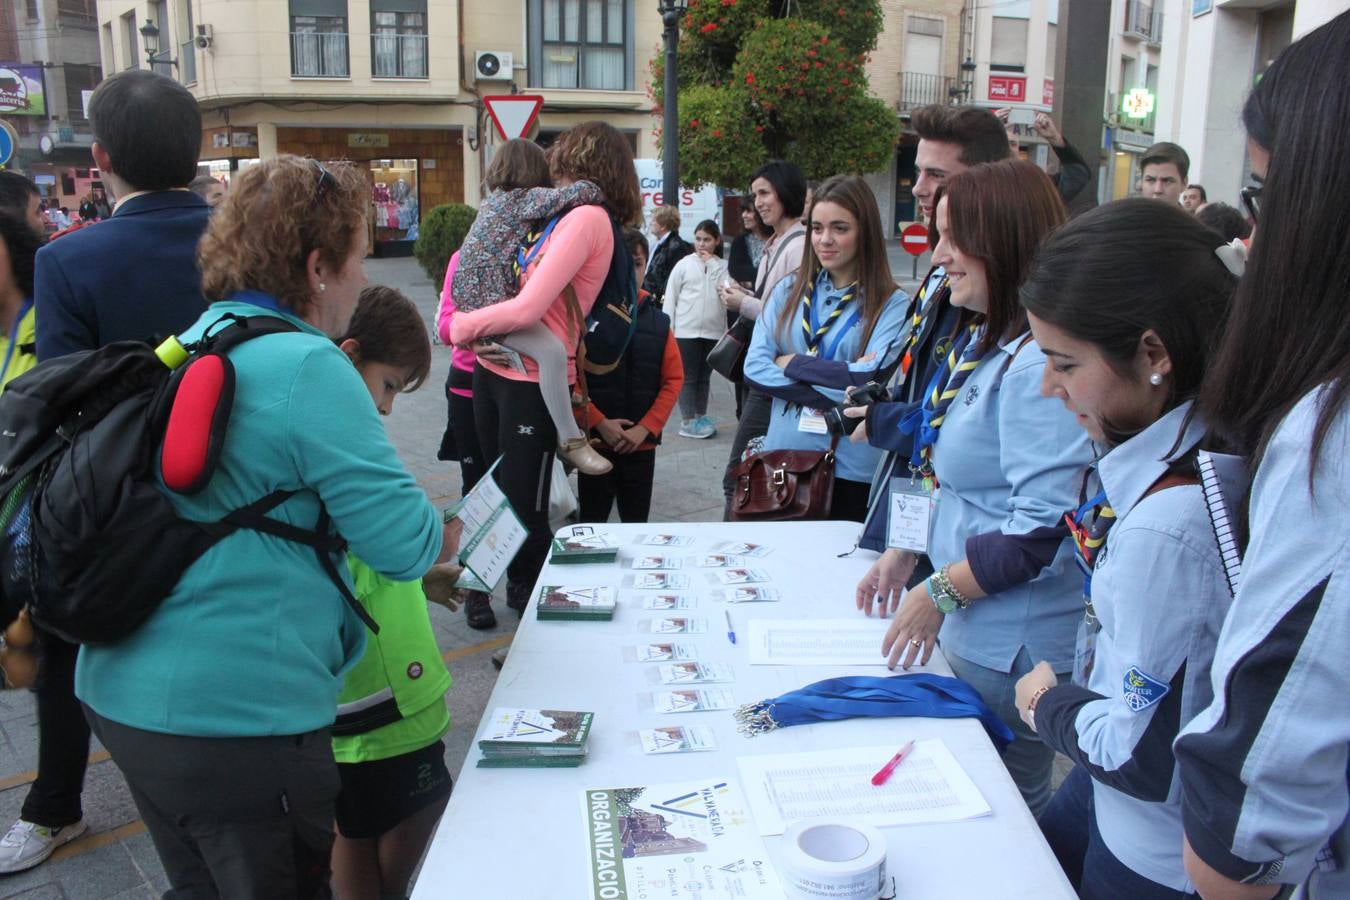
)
(1048, 92)
(365, 139)
(1138, 104)
(22, 90)
(1008, 88)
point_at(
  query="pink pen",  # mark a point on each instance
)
(886, 770)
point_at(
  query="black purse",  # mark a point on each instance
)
(727, 357)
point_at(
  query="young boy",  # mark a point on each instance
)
(391, 711)
(628, 409)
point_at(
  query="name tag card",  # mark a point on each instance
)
(812, 422)
(909, 516)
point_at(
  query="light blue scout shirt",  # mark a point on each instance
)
(1264, 768)
(1159, 590)
(842, 345)
(255, 638)
(1009, 460)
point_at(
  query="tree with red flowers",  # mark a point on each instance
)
(778, 79)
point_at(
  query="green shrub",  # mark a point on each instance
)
(441, 233)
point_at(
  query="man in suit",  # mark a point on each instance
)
(132, 276)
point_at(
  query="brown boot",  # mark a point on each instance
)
(579, 453)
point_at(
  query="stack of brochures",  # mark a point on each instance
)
(583, 545)
(534, 738)
(576, 603)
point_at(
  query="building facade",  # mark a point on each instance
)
(1221, 48)
(917, 61)
(393, 85)
(1132, 100)
(49, 63)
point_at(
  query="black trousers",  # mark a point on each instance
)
(461, 424)
(849, 501)
(63, 739)
(233, 818)
(513, 424)
(629, 482)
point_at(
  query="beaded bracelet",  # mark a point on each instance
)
(943, 582)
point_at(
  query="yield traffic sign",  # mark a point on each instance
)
(513, 114)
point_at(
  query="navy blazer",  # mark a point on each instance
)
(133, 276)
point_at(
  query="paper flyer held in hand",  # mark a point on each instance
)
(691, 840)
(493, 533)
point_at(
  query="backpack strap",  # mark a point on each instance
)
(325, 543)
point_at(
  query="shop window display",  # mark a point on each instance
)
(394, 203)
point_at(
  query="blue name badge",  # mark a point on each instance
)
(1142, 691)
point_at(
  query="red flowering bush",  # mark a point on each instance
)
(761, 80)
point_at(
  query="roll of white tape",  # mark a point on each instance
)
(832, 859)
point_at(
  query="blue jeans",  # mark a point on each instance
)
(1028, 759)
(1070, 827)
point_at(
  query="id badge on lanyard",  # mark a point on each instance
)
(812, 421)
(1085, 646)
(909, 514)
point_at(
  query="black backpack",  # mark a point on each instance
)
(608, 329)
(88, 541)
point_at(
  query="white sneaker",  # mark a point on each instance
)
(687, 427)
(27, 845)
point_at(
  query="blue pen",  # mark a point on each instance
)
(731, 629)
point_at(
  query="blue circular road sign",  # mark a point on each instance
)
(9, 143)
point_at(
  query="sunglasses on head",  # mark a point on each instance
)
(325, 184)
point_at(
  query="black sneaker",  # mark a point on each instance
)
(478, 611)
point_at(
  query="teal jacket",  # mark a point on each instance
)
(255, 639)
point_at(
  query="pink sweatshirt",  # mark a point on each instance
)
(577, 252)
(460, 359)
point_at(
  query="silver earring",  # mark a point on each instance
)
(323, 287)
(1155, 379)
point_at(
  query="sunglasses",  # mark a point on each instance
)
(325, 184)
(1251, 200)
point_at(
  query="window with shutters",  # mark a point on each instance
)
(586, 44)
(398, 38)
(319, 39)
(1009, 45)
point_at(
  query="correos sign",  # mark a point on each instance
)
(695, 206)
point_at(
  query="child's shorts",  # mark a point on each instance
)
(378, 795)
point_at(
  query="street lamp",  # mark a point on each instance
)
(672, 11)
(150, 37)
(968, 68)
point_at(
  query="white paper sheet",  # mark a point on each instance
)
(929, 786)
(817, 642)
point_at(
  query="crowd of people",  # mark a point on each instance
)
(1047, 401)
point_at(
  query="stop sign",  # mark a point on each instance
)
(914, 239)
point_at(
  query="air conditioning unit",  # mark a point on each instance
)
(492, 65)
(205, 37)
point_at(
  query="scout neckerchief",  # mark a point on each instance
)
(815, 330)
(920, 694)
(926, 421)
(1088, 526)
(916, 321)
(14, 337)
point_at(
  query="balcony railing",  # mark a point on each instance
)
(921, 89)
(187, 61)
(398, 55)
(1142, 21)
(316, 54)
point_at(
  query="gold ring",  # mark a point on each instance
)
(916, 642)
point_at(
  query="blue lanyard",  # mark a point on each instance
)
(14, 336)
(524, 259)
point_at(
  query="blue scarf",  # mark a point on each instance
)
(935, 696)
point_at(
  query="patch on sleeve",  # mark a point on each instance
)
(1142, 691)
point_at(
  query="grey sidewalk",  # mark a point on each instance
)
(116, 859)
